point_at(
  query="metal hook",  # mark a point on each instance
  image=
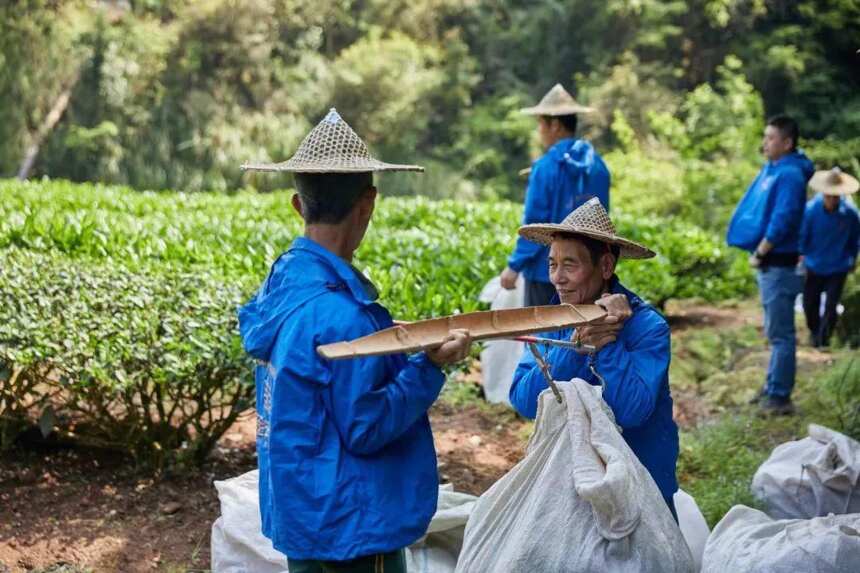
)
(544, 368)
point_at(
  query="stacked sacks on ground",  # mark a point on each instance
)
(810, 489)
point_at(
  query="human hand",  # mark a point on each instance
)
(509, 278)
(454, 348)
(601, 333)
(755, 261)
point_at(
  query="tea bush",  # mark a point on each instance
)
(117, 307)
(146, 361)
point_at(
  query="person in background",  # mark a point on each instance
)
(348, 474)
(630, 349)
(570, 173)
(829, 243)
(766, 223)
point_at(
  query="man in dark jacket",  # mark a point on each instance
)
(348, 473)
(570, 173)
(767, 223)
(829, 243)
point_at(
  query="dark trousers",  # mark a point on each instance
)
(821, 327)
(538, 294)
(394, 562)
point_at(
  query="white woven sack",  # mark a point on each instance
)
(580, 501)
(811, 477)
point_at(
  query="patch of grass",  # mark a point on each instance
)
(718, 461)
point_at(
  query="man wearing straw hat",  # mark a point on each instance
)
(348, 473)
(570, 173)
(766, 223)
(628, 352)
(829, 243)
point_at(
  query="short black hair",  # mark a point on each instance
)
(568, 121)
(596, 248)
(329, 197)
(787, 127)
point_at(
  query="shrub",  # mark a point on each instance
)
(147, 361)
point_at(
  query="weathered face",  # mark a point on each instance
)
(831, 202)
(774, 145)
(548, 131)
(575, 277)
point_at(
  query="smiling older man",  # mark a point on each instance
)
(631, 346)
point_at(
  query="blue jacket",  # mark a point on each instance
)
(636, 370)
(569, 174)
(346, 457)
(830, 242)
(773, 206)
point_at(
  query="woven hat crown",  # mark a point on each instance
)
(591, 216)
(557, 101)
(331, 140)
(332, 147)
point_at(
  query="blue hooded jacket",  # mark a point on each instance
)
(636, 370)
(569, 174)
(829, 241)
(773, 206)
(346, 456)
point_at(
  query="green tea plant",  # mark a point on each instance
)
(146, 361)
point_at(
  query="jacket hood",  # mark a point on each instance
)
(576, 156)
(799, 160)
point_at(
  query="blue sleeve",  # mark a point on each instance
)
(599, 182)
(805, 228)
(854, 239)
(370, 406)
(635, 375)
(537, 210)
(529, 381)
(788, 208)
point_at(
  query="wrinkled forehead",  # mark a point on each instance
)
(563, 247)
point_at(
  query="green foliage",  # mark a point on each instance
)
(848, 326)
(145, 360)
(841, 396)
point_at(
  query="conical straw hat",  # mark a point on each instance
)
(833, 182)
(331, 147)
(590, 220)
(556, 102)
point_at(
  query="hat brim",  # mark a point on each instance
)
(820, 184)
(543, 234)
(557, 110)
(362, 166)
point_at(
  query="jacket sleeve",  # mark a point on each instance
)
(634, 374)
(529, 381)
(853, 245)
(789, 206)
(805, 229)
(537, 210)
(372, 407)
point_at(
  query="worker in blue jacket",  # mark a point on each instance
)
(570, 173)
(829, 243)
(348, 473)
(767, 223)
(631, 347)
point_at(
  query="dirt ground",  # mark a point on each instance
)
(64, 507)
(69, 510)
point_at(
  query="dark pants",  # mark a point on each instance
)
(538, 294)
(394, 562)
(821, 327)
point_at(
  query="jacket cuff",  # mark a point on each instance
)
(426, 367)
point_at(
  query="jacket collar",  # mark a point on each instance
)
(344, 274)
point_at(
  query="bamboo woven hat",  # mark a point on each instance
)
(331, 147)
(557, 101)
(833, 182)
(590, 220)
